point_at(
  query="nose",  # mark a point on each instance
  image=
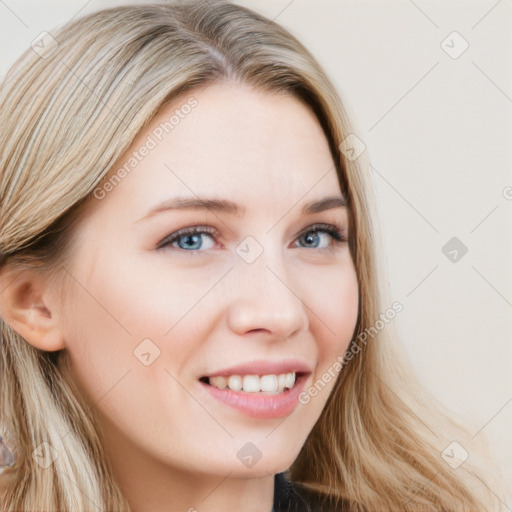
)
(265, 298)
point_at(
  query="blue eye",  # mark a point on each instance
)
(312, 236)
(189, 239)
(317, 236)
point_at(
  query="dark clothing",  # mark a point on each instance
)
(286, 496)
(289, 497)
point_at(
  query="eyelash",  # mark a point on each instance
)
(336, 233)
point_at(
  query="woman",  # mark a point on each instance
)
(190, 309)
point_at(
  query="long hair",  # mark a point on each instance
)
(68, 112)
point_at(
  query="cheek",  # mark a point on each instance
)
(99, 346)
(333, 317)
(334, 309)
(148, 297)
(119, 318)
(103, 308)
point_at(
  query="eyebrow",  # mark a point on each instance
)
(230, 207)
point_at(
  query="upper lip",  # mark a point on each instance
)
(262, 367)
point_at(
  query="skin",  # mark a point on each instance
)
(172, 446)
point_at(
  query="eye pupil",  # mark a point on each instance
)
(311, 237)
(191, 241)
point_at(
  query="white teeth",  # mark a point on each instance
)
(268, 383)
(255, 383)
(251, 384)
(290, 380)
(235, 382)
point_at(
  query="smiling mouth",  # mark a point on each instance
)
(260, 384)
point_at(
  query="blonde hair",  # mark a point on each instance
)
(66, 118)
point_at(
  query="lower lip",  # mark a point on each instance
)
(258, 405)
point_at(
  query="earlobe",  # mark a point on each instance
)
(23, 307)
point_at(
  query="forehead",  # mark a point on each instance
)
(233, 141)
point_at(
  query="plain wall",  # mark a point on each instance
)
(437, 129)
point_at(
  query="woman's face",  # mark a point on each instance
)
(153, 311)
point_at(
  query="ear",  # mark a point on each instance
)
(27, 306)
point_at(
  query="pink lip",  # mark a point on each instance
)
(261, 367)
(259, 405)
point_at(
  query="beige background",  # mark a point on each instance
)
(437, 127)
